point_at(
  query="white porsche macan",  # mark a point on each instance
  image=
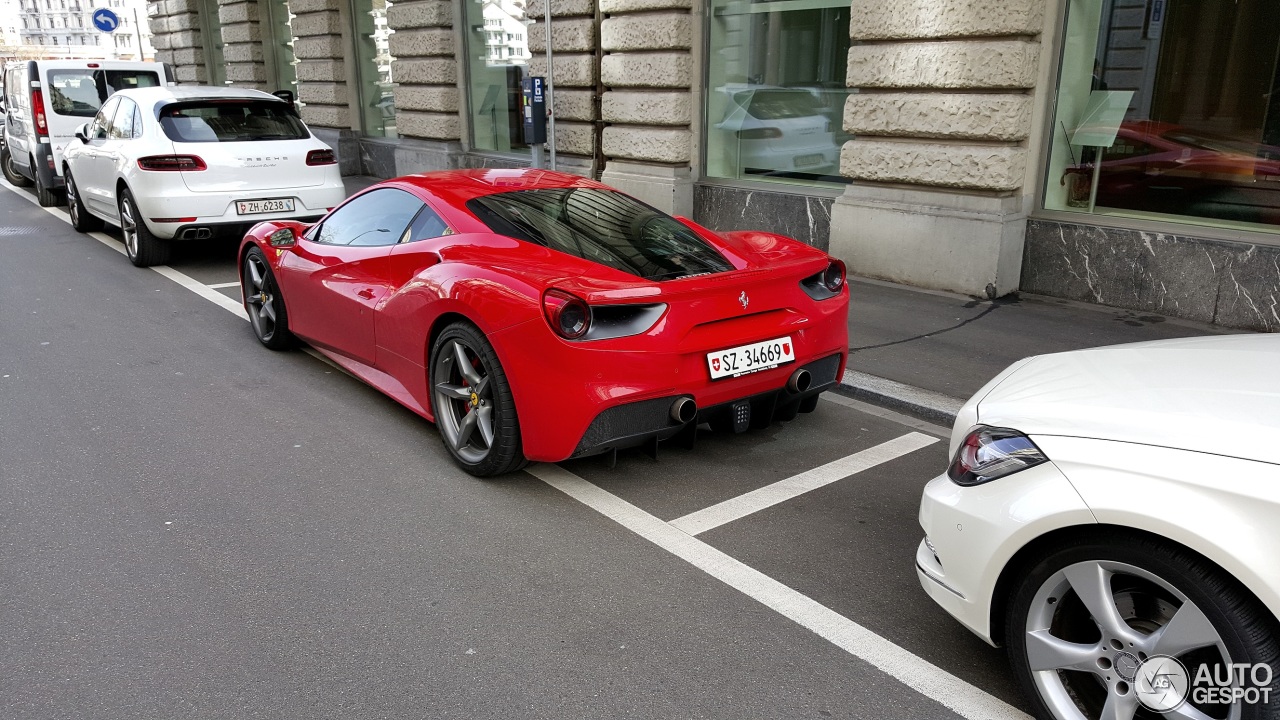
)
(190, 163)
(1112, 517)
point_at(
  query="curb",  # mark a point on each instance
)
(924, 404)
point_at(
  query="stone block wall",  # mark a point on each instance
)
(648, 74)
(941, 160)
(957, 71)
(428, 105)
(574, 88)
(242, 44)
(322, 75)
(175, 34)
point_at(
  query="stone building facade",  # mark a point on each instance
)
(939, 143)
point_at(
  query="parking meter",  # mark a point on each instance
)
(533, 102)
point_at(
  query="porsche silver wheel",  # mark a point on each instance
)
(142, 248)
(81, 219)
(129, 229)
(464, 401)
(1091, 629)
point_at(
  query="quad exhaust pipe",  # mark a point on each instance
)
(197, 234)
(799, 381)
(684, 410)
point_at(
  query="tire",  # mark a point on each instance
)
(10, 172)
(47, 197)
(264, 303)
(81, 219)
(457, 403)
(1090, 668)
(142, 248)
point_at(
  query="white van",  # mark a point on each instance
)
(46, 100)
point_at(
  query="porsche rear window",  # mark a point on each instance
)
(207, 121)
(602, 226)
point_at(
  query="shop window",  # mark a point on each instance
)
(373, 68)
(1169, 110)
(776, 89)
(495, 67)
(281, 65)
(215, 62)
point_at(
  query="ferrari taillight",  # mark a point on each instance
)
(833, 276)
(567, 314)
(37, 109)
(171, 163)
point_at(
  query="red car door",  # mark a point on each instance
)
(334, 279)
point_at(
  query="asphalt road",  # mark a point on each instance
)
(194, 526)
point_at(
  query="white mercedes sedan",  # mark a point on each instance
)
(1112, 517)
(191, 163)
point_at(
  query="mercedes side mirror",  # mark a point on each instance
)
(82, 133)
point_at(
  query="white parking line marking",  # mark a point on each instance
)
(911, 670)
(185, 281)
(219, 286)
(202, 290)
(796, 485)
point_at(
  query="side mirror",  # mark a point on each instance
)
(284, 237)
(82, 133)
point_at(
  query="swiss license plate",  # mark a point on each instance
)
(808, 160)
(253, 207)
(746, 359)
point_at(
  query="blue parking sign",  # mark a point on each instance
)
(106, 20)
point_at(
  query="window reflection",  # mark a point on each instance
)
(1200, 133)
(776, 89)
(497, 57)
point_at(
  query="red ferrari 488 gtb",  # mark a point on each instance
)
(534, 315)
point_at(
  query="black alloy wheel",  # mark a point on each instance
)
(474, 408)
(264, 303)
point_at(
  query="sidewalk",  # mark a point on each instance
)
(926, 352)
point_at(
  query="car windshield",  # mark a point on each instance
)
(602, 226)
(231, 120)
(80, 93)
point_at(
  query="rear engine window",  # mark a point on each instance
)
(81, 92)
(602, 226)
(231, 121)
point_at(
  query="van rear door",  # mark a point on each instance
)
(73, 93)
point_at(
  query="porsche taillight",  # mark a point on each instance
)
(321, 157)
(567, 314)
(171, 163)
(37, 109)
